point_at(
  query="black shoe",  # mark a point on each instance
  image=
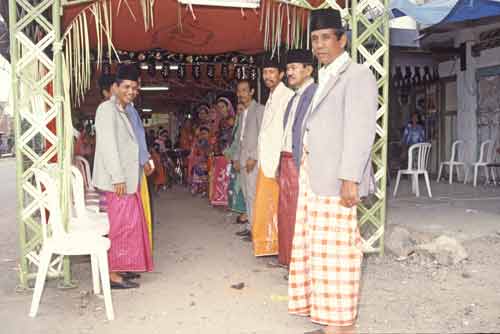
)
(239, 221)
(243, 233)
(128, 275)
(247, 238)
(124, 284)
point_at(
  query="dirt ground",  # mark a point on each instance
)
(198, 258)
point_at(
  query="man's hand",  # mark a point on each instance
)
(148, 169)
(250, 165)
(349, 195)
(120, 189)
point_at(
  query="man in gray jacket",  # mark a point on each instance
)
(116, 173)
(246, 158)
(338, 135)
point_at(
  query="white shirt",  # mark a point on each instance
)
(327, 72)
(271, 131)
(288, 135)
(243, 124)
(324, 75)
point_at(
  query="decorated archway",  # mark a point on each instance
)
(51, 43)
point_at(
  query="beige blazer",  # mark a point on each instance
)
(249, 144)
(339, 131)
(117, 152)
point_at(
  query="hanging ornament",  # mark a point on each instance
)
(436, 77)
(225, 71)
(141, 57)
(416, 79)
(152, 69)
(407, 78)
(196, 71)
(253, 73)
(239, 72)
(427, 75)
(397, 78)
(181, 71)
(106, 68)
(165, 71)
(211, 71)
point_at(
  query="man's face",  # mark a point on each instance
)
(326, 47)
(272, 77)
(126, 91)
(298, 73)
(244, 92)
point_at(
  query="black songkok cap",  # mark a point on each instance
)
(271, 61)
(326, 19)
(106, 81)
(127, 72)
(299, 56)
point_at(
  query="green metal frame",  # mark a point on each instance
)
(369, 22)
(36, 63)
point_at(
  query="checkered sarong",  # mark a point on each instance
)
(325, 268)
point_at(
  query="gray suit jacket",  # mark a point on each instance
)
(249, 144)
(117, 152)
(340, 131)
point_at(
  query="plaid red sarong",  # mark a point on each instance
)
(326, 260)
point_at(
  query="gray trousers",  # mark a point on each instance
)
(248, 183)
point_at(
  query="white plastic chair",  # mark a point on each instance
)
(56, 241)
(422, 159)
(87, 218)
(486, 156)
(91, 194)
(456, 153)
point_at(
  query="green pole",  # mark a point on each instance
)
(14, 56)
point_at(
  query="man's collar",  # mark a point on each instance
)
(278, 87)
(304, 86)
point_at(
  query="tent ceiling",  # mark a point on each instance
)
(215, 29)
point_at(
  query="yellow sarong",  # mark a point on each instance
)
(147, 208)
(265, 216)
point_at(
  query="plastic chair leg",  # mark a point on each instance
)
(493, 176)
(398, 178)
(475, 175)
(428, 182)
(440, 171)
(106, 286)
(94, 261)
(43, 268)
(466, 177)
(458, 172)
(417, 187)
(487, 172)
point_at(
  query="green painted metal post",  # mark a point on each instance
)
(14, 55)
(369, 22)
(32, 32)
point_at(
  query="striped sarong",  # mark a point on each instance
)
(325, 268)
(128, 232)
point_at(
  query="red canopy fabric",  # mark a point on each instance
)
(215, 30)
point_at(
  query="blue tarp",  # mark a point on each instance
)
(445, 11)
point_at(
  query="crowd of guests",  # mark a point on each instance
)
(294, 170)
